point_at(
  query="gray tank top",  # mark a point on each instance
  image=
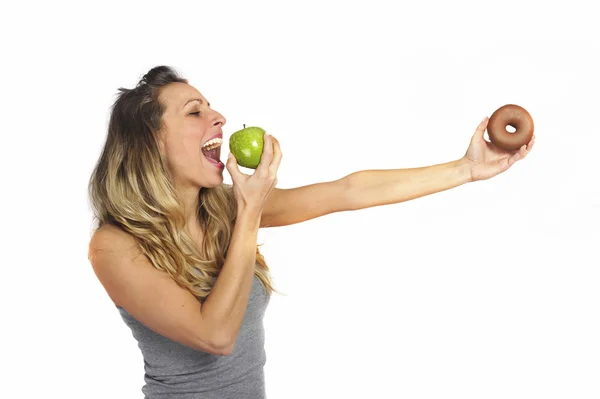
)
(173, 370)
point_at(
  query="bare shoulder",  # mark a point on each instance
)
(112, 253)
(111, 238)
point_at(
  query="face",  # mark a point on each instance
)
(189, 123)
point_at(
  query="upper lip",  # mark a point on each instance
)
(218, 135)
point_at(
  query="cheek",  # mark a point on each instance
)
(191, 135)
(184, 151)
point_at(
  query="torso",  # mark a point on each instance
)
(173, 370)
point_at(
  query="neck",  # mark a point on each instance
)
(190, 206)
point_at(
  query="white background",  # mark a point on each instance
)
(489, 290)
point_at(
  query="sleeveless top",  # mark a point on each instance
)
(175, 371)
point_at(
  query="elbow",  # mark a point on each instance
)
(224, 348)
(348, 193)
(220, 345)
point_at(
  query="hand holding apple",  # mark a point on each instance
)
(251, 191)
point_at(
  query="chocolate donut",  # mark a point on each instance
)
(510, 115)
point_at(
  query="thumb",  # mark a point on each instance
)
(479, 132)
(232, 167)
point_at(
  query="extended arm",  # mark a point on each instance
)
(359, 190)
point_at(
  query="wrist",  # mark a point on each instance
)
(248, 217)
(463, 168)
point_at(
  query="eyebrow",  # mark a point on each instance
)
(195, 99)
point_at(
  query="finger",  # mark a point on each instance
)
(525, 149)
(516, 156)
(234, 170)
(531, 143)
(266, 157)
(479, 132)
(277, 155)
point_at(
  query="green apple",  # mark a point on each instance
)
(246, 145)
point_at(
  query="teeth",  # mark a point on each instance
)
(212, 144)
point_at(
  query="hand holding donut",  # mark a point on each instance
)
(488, 159)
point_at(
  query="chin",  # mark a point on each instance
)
(214, 183)
(211, 181)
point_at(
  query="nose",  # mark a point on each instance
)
(219, 119)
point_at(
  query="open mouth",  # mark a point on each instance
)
(212, 150)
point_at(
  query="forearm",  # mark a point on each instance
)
(225, 307)
(368, 188)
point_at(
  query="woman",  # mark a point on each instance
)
(175, 248)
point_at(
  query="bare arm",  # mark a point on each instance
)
(287, 206)
(359, 190)
(154, 299)
(224, 309)
(368, 188)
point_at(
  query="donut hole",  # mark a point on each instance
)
(511, 129)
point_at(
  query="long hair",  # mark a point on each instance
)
(131, 188)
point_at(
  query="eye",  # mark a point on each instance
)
(197, 113)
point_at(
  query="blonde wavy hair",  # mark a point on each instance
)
(132, 189)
